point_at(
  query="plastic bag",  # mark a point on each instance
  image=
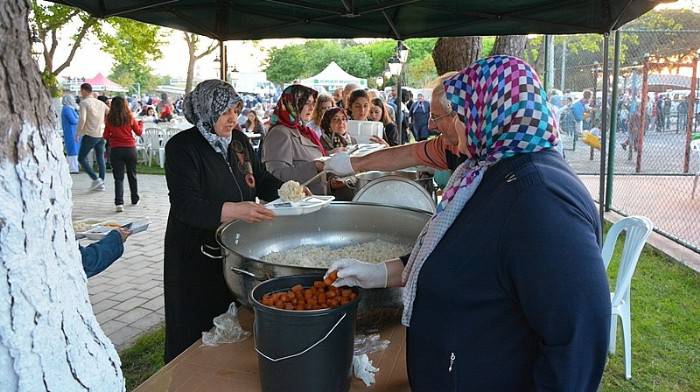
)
(363, 369)
(361, 364)
(368, 344)
(226, 329)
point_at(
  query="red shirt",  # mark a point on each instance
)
(122, 136)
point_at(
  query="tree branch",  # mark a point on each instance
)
(210, 49)
(76, 43)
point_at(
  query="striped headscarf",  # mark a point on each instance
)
(504, 107)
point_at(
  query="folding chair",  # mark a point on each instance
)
(637, 230)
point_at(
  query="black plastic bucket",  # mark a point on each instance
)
(308, 350)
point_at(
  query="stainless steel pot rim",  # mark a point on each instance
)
(223, 227)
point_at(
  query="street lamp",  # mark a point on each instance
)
(387, 73)
(395, 65)
(402, 51)
(379, 81)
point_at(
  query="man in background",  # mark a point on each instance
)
(578, 109)
(420, 111)
(91, 125)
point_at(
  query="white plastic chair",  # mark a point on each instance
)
(637, 230)
(695, 150)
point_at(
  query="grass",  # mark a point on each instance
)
(665, 332)
(152, 169)
(143, 359)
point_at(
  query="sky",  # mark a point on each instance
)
(89, 60)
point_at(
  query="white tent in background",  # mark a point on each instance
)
(333, 77)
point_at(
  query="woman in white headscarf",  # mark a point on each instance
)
(213, 176)
(69, 122)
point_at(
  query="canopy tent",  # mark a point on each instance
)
(101, 83)
(400, 19)
(333, 77)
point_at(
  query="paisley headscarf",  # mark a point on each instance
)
(332, 139)
(287, 111)
(205, 104)
(504, 107)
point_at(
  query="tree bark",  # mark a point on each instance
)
(49, 337)
(511, 45)
(455, 53)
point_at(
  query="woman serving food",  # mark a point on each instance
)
(213, 176)
(505, 288)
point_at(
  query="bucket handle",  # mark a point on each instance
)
(305, 350)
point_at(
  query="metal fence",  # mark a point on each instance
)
(653, 168)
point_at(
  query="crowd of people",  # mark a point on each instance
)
(108, 127)
(663, 113)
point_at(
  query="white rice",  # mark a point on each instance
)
(291, 191)
(322, 256)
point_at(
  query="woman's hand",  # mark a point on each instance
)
(353, 272)
(378, 140)
(246, 211)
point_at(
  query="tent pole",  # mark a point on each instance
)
(222, 65)
(563, 65)
(613, 122)
(691, 113)
(642, 113)
(604, 130)
(548, 62)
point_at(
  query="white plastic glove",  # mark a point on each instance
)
(339, 164)
(353, 272)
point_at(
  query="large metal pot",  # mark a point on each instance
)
(340, 224)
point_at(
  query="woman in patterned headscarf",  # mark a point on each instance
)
(213, 176)
(505, 288)
(290, 148)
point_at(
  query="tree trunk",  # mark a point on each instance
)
(190, 74)
(49, 337)
(455, 53)
(511, 45)
(192, 60)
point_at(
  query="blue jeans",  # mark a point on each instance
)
(87, 144)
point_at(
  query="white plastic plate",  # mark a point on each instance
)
(305, 206)
(100, 231)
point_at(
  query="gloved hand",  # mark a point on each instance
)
(353, 272)
(339, 164)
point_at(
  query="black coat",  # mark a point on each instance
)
(199, 182)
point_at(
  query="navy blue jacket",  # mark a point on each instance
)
(99, 255)
(515, 296)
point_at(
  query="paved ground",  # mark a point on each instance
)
(663, 153)
(666, 200)
(128, 297)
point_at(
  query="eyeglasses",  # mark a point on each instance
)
(435, 118)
